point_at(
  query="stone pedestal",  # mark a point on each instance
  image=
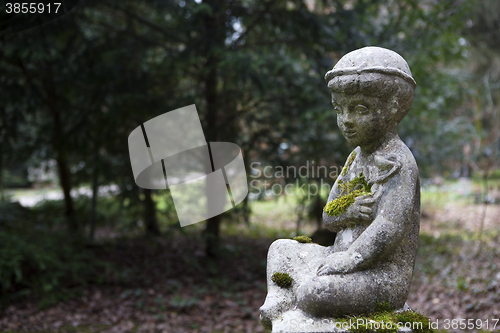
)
(297, 321)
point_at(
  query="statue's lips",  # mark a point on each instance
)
(349, 134)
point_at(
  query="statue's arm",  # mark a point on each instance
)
(391, 224)
(389, 227)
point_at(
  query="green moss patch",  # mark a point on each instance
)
(384, 319)
(414, 317)
(303, 239)
(282, 279)
(349, 191)
(348, 164)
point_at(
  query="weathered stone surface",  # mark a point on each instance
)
(299, 321)
(372, 259)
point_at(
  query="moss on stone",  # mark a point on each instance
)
(384, 307)
(282, 279)
(414, 317)
(303, 239)
(349, 191)
(385, 319)
(358, 183)
(348, 164)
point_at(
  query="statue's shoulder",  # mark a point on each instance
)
(397, 160)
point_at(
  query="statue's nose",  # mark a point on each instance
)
(347, 119)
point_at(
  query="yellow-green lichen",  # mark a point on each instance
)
(303, 239)
(348, 164)
(385, 319)
(358, 183)
(384, 307)
(413, 317)
(348, 193)
(282, 279)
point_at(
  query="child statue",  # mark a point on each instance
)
(374, 205)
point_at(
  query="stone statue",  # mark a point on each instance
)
(374, 207)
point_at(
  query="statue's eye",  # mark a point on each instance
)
(337, 109)
(361, 109)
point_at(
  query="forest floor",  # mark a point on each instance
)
(167, 285)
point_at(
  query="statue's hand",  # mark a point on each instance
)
(340, 263)
(363, 208)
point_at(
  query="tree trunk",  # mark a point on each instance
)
(150, 214)
(59, 142)
(63, 169)
(214, 31)
(2, 198)
(93, 202)
(483, 215)
(64, 178)
(300, 212)
(246, 211)
(212, 231)
(213, 223)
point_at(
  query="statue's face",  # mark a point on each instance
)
(363, 120)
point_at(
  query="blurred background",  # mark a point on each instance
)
(83, 249)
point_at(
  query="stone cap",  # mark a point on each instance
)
(372, 59)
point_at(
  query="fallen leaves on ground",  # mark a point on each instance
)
(167, 285)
